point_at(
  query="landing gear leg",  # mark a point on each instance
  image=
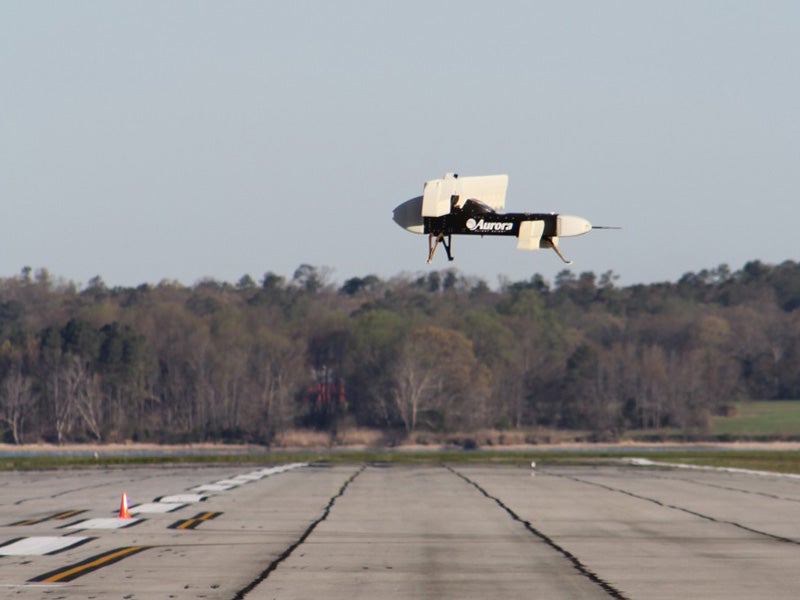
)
(447, 246)
(433, 243)
(432, 246)
(554, 245)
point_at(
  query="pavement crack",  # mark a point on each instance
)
(240, 595)
(689, 511)
(576, 562)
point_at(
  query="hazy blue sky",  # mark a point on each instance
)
(150, 140)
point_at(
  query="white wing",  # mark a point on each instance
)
(438, 195)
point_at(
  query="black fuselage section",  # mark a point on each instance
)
(476, 218)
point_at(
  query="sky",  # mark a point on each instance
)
(183, 140)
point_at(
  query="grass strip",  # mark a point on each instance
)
(783, 461)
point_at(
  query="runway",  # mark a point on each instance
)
(382, 531)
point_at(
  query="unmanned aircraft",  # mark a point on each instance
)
(470, 205)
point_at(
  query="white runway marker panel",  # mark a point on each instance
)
(646, 462)
(229, 482)
(223, 485)
(38, 546)
(181, 498)
(212, 487)
(281, 469)
(155, 507)
(108, 523)
(247, 477)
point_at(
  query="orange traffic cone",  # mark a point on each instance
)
(124, 513)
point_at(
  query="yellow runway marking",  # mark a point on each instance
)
(195, 521)
(57, 516)
(87, 566)
(66, 514)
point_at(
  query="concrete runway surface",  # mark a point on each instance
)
(374, 531)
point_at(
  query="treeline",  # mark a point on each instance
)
(440, 351)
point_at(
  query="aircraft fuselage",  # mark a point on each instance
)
(459, 223)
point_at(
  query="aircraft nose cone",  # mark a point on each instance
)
(409, 215)
(569, 225)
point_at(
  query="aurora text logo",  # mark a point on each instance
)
(482, 225)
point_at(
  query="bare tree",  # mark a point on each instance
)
(16, 400)
(414, 384)
(63, 405)
(83, 391)
(277, 371)
(436, 375)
